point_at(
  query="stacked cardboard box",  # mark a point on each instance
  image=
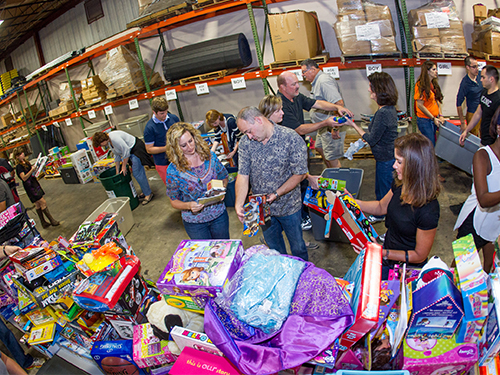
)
(437, 29)
(295, 35)
(93, 90)
(122, 73)
(364, 27)
(64, 108)
(7, 120)
(486, 34)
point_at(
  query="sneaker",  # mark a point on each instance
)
(375, 219)
(306, 223)
(37, 363)
(312, 246)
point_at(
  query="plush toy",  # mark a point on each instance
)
(163, 318)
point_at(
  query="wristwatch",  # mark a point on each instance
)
(386, 255)
(276, 193)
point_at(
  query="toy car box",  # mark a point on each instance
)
(115, 357)
(201, 267)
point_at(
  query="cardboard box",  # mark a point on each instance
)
(377, 12)
(192, 361)
(352, 15)
(429, 45)
(7, 120)
(424, 32)
(456, 29)
(480, 10)
(453, 44)
(366, 273)
(345, 28)
(149, 350)
(489, 344)
(346, 5)
(416, 17)
(491, 43)
(183, 302)
(443, 356)
(384, 45)
(295, 35)
(351, 46)
(184, 337)
(115, 357)
(200, 268)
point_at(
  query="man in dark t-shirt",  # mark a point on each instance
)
(489, 102)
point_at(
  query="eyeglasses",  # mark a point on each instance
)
(305, 71)
(473, 66)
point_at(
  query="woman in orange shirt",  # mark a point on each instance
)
(428, 97)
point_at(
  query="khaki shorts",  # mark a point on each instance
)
(333, 149)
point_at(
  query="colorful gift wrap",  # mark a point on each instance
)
(425, 356)
(201, 267)
(192, 361)
(185, 337)
(149, 350)
(115, 357)
(437, 309)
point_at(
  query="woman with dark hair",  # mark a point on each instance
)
(411, 206)
(481, 210)
(428, 97)
(192, 167)
(382, 132)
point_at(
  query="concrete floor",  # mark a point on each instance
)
(158, 228)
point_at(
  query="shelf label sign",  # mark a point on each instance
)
(444, 69)
(373, 68)
(332, 70)
(437, 20)
(91, 114)
(171, 94)
(481, 65)
(298, 73)
(238, 83)
(202, 88)
(368, 32)
(56, 124)
(44, 128)
(133, 104)
(108, 110)
(69, 122)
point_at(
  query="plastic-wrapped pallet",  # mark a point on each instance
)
(436, 28)
(122, 73)
(486, 34)
(364, 28)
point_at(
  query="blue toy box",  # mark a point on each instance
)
(115, 357)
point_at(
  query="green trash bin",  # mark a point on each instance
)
(118, 185)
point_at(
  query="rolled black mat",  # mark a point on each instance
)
(227, 52)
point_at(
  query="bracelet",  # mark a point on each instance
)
(3, 251)
(276, 193)
(406, 256)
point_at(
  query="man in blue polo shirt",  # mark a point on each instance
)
(470, 91)
(155, 134)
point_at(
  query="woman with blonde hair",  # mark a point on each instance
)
(411, 206)
(192, 167)
(271, 107)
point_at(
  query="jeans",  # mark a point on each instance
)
(383, 177)
(216, 229)
(140, 174)
(427, 128)
(291, 225)
(10, 341)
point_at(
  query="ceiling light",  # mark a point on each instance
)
(1, 21)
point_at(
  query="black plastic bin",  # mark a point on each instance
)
(353, 178)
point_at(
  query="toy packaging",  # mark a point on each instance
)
(389, 293)
(427, 356)
(331, 184)
(148, 349)
(132, 297)
(40, 270)
(264, 208)
(201, 267)
(184, 337)
(437, 310)
(183, 302)
(192, 361)
(115, 357)
(215, 193)
(490, 340)
(316, 199)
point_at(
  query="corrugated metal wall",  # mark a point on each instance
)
(71, 31)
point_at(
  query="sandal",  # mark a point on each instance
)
(148, 199)
(141, 196)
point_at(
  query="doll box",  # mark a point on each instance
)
(469, 330)
(438, 356)
(185, 337)
(489, 344)
(437, 309)
(115, 357)
(149, 350)
(192, 361)
(201, 268)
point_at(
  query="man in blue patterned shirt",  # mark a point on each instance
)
(273, 159)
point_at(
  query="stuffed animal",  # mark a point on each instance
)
(163, 318)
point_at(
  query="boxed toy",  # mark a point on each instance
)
(183, 302)
(148, 349)
(331, 184)
(437, 309)
(132, 297)
(115, 357)
(192, 361)
(427, 356)
(316, 199)
(40, 270)
(469, 330)
(184, 337)
(264, 209)
(366, 273)
(489, 344)
(201, 267)
(389, 293)
(215, 193)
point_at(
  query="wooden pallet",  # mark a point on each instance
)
(200, 4)
(206, 76)
(371, 56)
(321, 59)
(365, 152)
(61, 115)
(52, 176)
(484, 55)
(440, 55)
(175, 10)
